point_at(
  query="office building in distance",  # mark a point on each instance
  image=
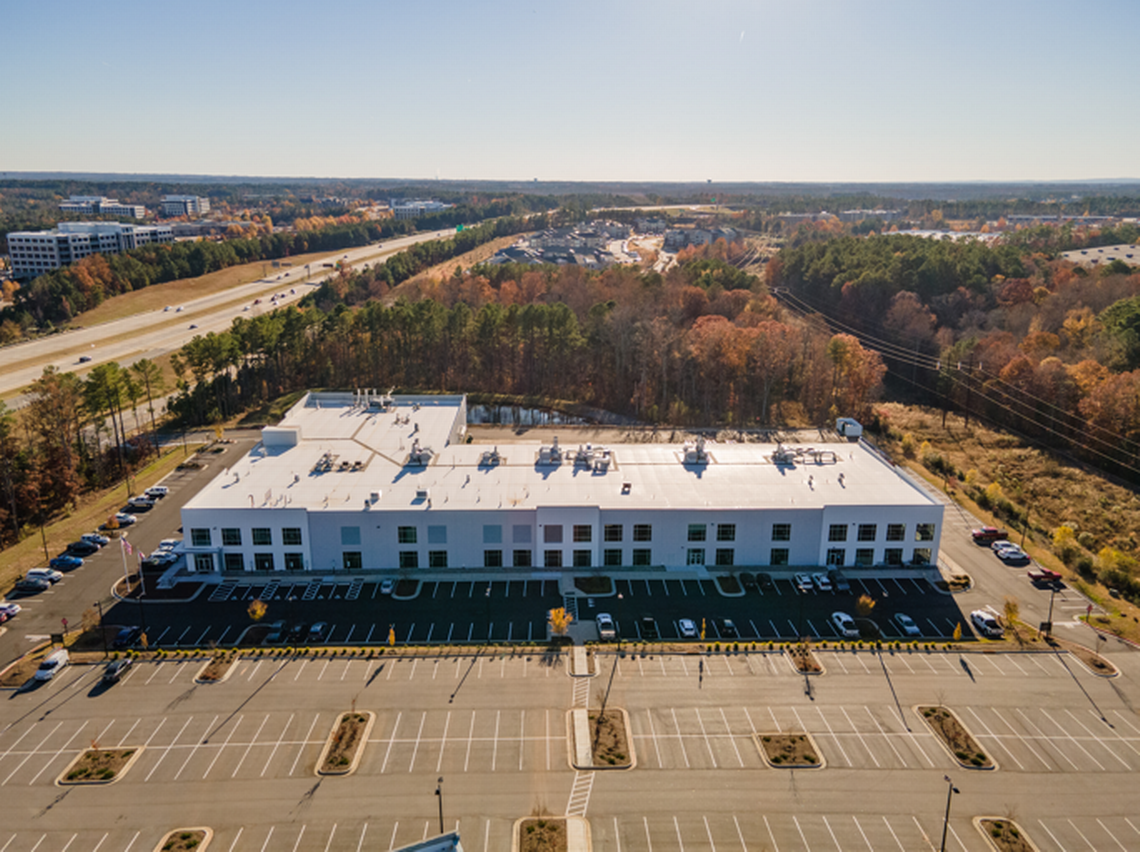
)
(184, 205)
(98, 205)
(36, 252)
(412, 208)
(361, 482)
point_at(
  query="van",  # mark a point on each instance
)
(52, 663)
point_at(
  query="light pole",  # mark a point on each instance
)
(946, 821)
(102, 630)
(439, 798)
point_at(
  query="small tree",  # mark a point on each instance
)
(1012, 609)
(257, 609)
(560, 621)
(958, 632)
(865, 605)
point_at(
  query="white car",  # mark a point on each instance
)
(688, 628)
(178, 310)
(606, 628)
(9, 609)
(51, 665)
(157, 491)
(387, 587)
(803, 582)
(906, 624)
(49, 574)
(822, 582)
(986, 624)
(125, 519)
(95, 539)
(844, 625)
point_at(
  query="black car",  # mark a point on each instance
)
(116, 669)
(82, 548)
(648, 627)
(727, 628)
(29, 585)
(127, 637)
(764, 581)
(748, 580)
(299, 632)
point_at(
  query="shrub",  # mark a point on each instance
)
(908, 445)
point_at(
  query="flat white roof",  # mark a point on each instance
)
(347, 453)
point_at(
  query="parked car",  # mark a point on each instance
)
(124, 519)
(82, 548)
(803, 582)
(276, 633)
(52, 664)
(1043, 575)
(606, 629)
(127, 637)
(10, 609)
(318, 631)
(387, 587)
(839, 581)
(648, 627)
(298, 632)
(906, 624)
(988, 535)
(1013, 553)
(157, 492)
(49, 574)
(727, 628)
(140, 504)
(116, 669)
(65, 562)
(748, 579)
(844, 625)
(96, 539)
(688, 628)
(986, 624)
(31, 585)
(764, 581)
(822, 582)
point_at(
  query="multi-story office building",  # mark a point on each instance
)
(184, 205)
(98, 205)
(410, 209)
(36, 252)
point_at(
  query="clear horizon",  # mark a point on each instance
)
(761, 92)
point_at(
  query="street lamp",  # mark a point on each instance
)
(946, 821)
(439, 798)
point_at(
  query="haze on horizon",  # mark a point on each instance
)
(787, 90)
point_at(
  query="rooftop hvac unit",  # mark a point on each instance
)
(423, 494)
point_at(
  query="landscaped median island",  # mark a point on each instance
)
(600, 742)
(345, 745)
(958, 741)
(542, 834)
(186, 840)
(1005, 835)
(218, 668)
(594, 585)
(99, 766)
(789, 750)
(803, 659)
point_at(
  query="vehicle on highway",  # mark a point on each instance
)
(96, 539)
(986, 624)
(1043, 575)
(31, 585)
(648, 627)
(257, 301)
(839, 581)
(52, 664)
(844, 625)
(822, 582)
(318, 631)
(988, 535)
(124, 519)
(127, 637)
(167, 308)
(82, 548)
(688, 628)
(157, 492)
(727, 629)
(49, 574)
(178, 310)
(116, 669)
(65, 562)
(193, 326)
(84, 359)
(906, 624)
(803, 582)
(140, 504)
(606, 629)
(387, 587)
(246, 308)
(764, 581)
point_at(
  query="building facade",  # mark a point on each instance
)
(411, 208)
(36, 252)
(362, 482)
(98, 205)
(184, 205)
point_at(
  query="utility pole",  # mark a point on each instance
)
(439, 797)
(946, 821)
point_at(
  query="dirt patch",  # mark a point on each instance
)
(609, 742)
(542, 834)
(952, 732)
(729, 585)
(594, 585)
(97, 765)
(1006, 835)
(804, 660)
(344, 742)
(790, 751)
(217, 668)
(184, 840)
(19, 672)
(406, 588)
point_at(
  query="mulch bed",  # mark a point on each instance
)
(98, 765)
(789, 751)
(1006, 835)
(347, 738)
(218, 667)
(406, 588)
(23, 669)
(594, 585)
(542, 835)
(608, 739)
(946, 725)
(728, 584)
(183, 841)
(804, 660)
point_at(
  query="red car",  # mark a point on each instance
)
(1043, 575)
(988, 535)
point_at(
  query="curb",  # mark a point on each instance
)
(726, 594)
(60, 780)
(946, 746)
(822, 764)
(585, 843)
(412, 596)
(228, 673)
(359, 751)
(573, 741)
(200, 848)
(977, 821)
(788, 656)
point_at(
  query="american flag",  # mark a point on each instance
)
(127, 546)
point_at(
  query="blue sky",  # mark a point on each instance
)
(812, 90)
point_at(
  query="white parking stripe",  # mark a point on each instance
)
(277, 745)
(1074, 741)
(304, 743)
(775, 847)
(57, 753)
(708, 831)
(1024, 741)
(834, 839)
(1041, 734)
(300, 834)
(731, 738)
(653, 733)
(680, 739)
(1051, 834)
(391, 742)
(416, 747)
(801, 831)
(704, 734)
(265, 845)
(887, 823)
(194, 750)
(100, 843)
(1113, 836)
(996, 738)
(1098, 740)
(166, 750)
(443, 742)
(850, 722)
(220, 750)
(676, 825)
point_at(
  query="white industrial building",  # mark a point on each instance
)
(184, 205)
(413, 208)
(36, 252)
(99, 205)
(366, 482)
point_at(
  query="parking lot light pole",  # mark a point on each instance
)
(439, 798)
(946, 821)
(102, 630)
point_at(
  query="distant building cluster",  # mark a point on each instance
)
(1124, 252)
(184, 205)
(678, 238)
(1035, 219)
(99, 205)
(36, 252)
(590, 244)
(860, 215)
(413, 208)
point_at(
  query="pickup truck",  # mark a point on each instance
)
(988, 535)
(1042, 575)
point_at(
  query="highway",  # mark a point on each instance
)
(155, 333)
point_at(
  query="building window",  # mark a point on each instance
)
(695, 556)
(641, 556)
(893, 556)
(200, 537)
(409, 559)
(203, 562)
(231, 537)
(778, 556)
(232, 561)
(291, 536)
(611, 558)
(612, 532)
(726, 532)
(697, 532)
(896, 532)
(867, 532)
(583, 558)
(520, 534)
(294, 562)
(522, 558)
(349, 536)
(492, 559)
(836, 556)
(437, 534)
(492, 534)
(552, 558)
(263, 561)
(725, 555)
(552, 534)
(643, 532)
(837, 532)
(864, 557)
(583, 533)
(781, 532)
(437, 559)
(924, 532)
(262, 537)
(921, 556)
(406, 535)
(352, 560)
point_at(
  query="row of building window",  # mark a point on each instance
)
(870, 532)
(259, 537)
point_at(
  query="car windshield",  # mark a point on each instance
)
(47, 665)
